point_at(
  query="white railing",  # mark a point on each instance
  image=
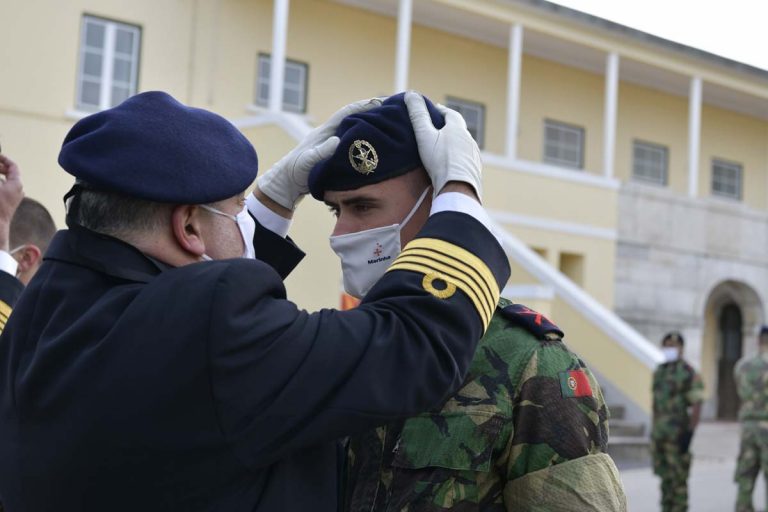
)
(600, 316)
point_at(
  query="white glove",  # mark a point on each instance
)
(448, 154)
(286, 182)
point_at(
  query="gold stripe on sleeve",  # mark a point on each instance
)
(460, 284)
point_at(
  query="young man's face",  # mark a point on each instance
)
(381, 204)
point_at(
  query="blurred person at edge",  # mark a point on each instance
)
(677, 395)
(153, 363)
(529, 427)
(751, 376)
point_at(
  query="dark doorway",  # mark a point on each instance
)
(730, 352)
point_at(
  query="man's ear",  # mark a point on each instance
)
(185, 224)
(31, 256)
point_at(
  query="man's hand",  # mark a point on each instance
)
(286, 182)
(449, 154)
(11, 194)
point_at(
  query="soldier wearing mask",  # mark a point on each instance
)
(677, 395)
(528, 429)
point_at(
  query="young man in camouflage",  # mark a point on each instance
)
(752, 384)
(528, 429)
(676, 389)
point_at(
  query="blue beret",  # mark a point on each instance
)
(153, 147)
(375, 146)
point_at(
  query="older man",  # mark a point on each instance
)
(153, 364)
(528, 429)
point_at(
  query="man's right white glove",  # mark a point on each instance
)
(448, 154)
(286, 181)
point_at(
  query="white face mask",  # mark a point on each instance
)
(245, 224)
(366, 255)
(670, 354)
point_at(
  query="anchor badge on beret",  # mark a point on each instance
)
(363, 157)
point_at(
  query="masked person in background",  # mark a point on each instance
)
(528, 429)
(153, 364)
(677, 395)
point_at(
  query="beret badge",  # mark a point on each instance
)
(363, 157)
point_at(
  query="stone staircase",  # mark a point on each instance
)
(628, 444)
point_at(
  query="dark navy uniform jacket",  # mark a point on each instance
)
(126, 385)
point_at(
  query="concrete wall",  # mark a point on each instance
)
(673, 252)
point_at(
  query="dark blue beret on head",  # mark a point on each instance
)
(376, 145)
(153, 147)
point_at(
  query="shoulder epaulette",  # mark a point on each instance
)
(532, 321)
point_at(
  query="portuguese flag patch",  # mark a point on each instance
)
(574, 384)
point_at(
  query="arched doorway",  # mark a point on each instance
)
(733, 315)
(731, 349)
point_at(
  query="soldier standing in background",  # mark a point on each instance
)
(751, 375)
(676, 389)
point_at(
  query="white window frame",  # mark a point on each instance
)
(738, 174)
(567, 128)
(300, 88)
(108, 53)
(640, 167)
(461, 106)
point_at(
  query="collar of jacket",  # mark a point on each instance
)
(102, 253)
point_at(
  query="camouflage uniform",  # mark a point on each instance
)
(527, 432)
(676, 387)
(752, 381)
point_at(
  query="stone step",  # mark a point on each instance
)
(629, 451)
(618, 411)
(624, 428)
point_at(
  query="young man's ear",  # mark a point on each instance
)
(29, 257)
(185, 225)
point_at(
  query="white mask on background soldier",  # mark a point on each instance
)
(670, 353)
(245, 224)
(366, 255)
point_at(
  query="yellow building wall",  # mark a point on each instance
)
(615, 364)
(560, 93)
(657, 117)
(39, 76)
(467, 70)
(736, 138)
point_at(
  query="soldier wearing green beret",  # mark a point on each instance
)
(677, 395)
(751, 377)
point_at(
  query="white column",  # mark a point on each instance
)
(277, 60)
(609, 112)
(515, 57)
(694, 135)
(107, 67)
(402, 57)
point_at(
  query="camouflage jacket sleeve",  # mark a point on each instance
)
(695, 392)
(559, 431)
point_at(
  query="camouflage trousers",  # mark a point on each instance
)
(753, 457)
(673, 467)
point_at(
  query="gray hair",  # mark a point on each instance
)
(119, 215)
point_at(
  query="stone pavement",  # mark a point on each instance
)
(711, 487)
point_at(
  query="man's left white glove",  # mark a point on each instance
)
(286, 181)
(448, 154)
